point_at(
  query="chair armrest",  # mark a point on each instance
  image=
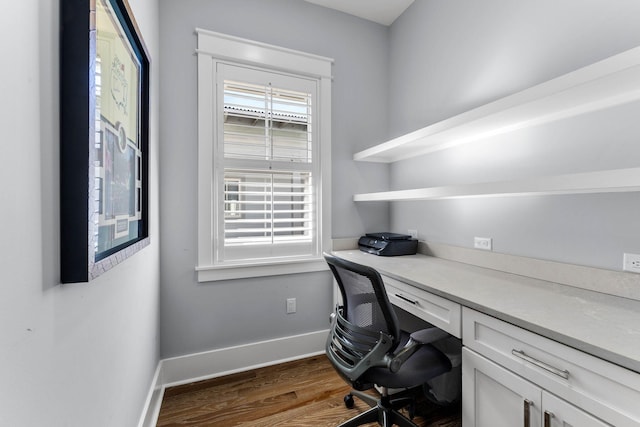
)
(416, 340)
(429, 335)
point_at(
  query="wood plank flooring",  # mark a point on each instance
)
(303, 393)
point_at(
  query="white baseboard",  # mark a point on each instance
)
(149, 417)
(216, 363)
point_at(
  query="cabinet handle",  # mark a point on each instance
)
(527, 412)
(402, 297)
(547, 418)
(559, 372)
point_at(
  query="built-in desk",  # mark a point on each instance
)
(502, 313)
(604, 326)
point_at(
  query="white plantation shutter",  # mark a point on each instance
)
(267, 207)
(266, 123)
(266, 161)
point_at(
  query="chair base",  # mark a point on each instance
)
(384, 411)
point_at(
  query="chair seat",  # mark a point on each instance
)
(425, 364)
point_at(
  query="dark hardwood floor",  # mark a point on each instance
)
(303, 393)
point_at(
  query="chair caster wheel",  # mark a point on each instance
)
(348, 401)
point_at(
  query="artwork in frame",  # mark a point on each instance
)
(104, 138)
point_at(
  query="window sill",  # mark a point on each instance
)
(213, 273)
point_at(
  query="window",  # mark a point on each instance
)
(264, 159)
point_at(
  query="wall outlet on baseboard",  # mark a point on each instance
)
(413, 233)
(483, 243)
(631, 262)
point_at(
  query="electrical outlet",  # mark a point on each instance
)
(413, 233)
(631, 262)
(483, 243)
(291, 305)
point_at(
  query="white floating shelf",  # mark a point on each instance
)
(607, 83)
(608, 181)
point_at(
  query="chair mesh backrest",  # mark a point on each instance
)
(365, 300)
(365, 329)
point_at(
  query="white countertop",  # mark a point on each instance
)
(602, 325)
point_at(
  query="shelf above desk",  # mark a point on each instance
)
(607, 83)
(608, 181)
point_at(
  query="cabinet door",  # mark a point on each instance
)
(495, 397)
(558, 413)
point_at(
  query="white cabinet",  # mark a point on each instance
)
(506, 369)
(558, 413)
(440, 312)
(496, 397)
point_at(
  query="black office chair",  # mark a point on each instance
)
(367, 348)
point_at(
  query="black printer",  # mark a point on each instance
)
(388, 244)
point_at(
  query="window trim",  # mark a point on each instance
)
(213, 48)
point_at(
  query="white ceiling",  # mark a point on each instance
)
(381, 11)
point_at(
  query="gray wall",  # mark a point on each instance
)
(203, 316)
(438, 59)
(77, 354)
(448, 57)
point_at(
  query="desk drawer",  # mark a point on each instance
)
(438, 311)
(608, 391)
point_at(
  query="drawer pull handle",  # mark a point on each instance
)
(547, 418)
(527, 409)
(559, 372)
(402, 297)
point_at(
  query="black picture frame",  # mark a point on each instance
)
(104, 137)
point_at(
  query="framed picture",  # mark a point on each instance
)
(104, 126)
